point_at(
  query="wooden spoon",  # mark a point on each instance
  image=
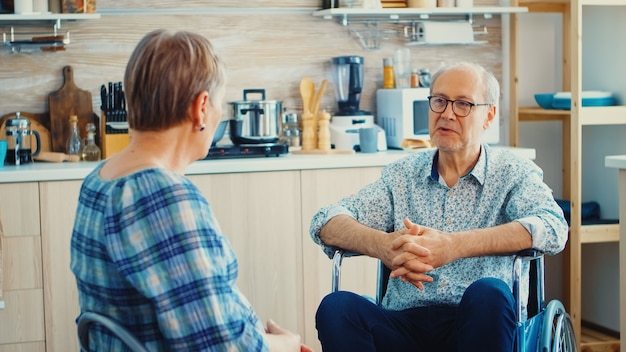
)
(307, 87)
(315, 106)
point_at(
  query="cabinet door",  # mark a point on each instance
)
(21, 286)
(260, 215)
(319, 188)
(58, 209)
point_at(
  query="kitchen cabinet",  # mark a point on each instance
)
(265, 216)
(22, 317)
(58, 201)
(322, 187)
(591, 69)
(259, 213)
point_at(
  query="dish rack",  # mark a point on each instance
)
(35, 41)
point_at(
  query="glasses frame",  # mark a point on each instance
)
(448, 101)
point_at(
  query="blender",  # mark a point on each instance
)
(347, 74)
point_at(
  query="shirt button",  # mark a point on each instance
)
(442, 283)
(451, 193)
(448, 222)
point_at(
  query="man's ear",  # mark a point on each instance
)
(491, 115)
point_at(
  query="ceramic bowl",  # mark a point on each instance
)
(545, 100)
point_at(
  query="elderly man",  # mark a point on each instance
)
(446, 221)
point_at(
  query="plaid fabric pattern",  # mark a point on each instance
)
(146, 250)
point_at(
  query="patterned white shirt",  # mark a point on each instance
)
(501, 188)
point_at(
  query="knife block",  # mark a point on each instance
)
(111, 143)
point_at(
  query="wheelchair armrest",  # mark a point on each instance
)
(536, 299)
(530, 254)
(381, 280)
(337, 260)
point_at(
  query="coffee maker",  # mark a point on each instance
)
(18, 136)
(347, 74)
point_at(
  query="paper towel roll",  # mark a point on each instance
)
(40, 6)
(23, 6)
(432, 32)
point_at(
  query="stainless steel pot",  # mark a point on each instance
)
(258, 121)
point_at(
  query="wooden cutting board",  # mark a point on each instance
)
(68, 100)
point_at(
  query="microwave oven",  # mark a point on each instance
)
(403, 114)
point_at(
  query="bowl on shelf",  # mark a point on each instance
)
(563, 100)
(545, 100)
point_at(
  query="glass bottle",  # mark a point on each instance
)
(415, 78)
(74, 143)
(91, 152)
(388, 74)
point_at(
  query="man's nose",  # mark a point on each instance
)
(448, 112)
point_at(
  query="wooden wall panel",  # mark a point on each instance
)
(273, 50)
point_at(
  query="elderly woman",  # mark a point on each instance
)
(146, 248)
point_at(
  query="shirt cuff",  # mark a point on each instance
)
(320, 220)
(537, 231)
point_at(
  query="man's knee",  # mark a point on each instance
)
(488, 294)
(335, 305)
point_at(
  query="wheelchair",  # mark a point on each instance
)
(547, 328)
(118, 330)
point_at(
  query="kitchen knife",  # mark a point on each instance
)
(103, 98)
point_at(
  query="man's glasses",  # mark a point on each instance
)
(461, 108)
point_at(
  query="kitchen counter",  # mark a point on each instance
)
(43, 171)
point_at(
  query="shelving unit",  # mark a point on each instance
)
(573, 121)
(372, 25)
(50, 39)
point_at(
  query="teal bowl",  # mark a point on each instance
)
(545, 100)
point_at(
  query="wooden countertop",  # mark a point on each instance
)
(42, 171)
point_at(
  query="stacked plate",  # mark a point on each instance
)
(563, 100)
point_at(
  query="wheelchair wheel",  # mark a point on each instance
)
(557, 331)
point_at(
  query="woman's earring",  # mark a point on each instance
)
(202, 127)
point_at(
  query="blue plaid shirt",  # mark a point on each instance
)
(147, 251)
(501, 188)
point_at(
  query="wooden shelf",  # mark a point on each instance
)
(403, 12)
(605, 115)
(599, 233)
(590, 115)
(540, 114)
(603, 2)
(596, 341)
(50, 17)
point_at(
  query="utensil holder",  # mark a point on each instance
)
(111, 143)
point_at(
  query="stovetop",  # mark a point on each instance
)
(246, 151)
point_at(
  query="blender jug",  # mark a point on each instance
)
(18, 135)
(348, 79)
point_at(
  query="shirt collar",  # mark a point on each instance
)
(479, 171)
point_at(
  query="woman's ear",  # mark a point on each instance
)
(200, 109)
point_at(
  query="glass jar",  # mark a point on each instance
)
(91, 152)
(291, 131)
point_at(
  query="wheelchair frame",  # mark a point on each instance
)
(117, 329)
(548, 328)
